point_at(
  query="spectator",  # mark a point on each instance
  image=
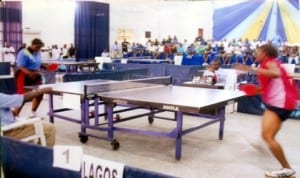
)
(64, 51)
(125, 45)
(8, 101)
(8, 53)
(56, 53)
(115, 50)
(105, 53)
(209, 74)
(71, 51)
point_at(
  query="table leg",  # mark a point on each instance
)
(96, 111)
(221, 113)
(51, 112)
(110, 118)
(179, 116)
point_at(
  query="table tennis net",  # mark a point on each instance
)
(96, 88)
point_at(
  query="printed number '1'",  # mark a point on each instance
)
(67, 153)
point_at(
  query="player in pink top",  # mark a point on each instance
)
(279, 94)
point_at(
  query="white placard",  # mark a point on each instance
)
(96, 167)
(67, 157)
(289, 68)
(123, 61)
(71, 101)
(230, 77)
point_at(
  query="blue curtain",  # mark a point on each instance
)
(91, 29)
(11, 16)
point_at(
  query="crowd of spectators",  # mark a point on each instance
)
(54, 52)
(228, 51)
(9, 54)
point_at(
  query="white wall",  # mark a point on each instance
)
(184, 19)
(54, 19)
(161, 18)
(139, 18)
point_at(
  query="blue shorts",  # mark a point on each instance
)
(283, 114)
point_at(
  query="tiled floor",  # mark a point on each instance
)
(241, 154)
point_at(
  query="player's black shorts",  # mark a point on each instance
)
(282, 113)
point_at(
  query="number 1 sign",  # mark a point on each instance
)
(67, 157)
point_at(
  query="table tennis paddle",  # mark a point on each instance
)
(53, 67)
(249, 89)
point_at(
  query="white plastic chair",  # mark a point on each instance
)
(289, 68)
(101, 60)
(178, 60)
(38, 127)
(230, 77)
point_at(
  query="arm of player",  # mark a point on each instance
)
(30, 74)
(45, 66)
(30, 95)
(271, 71)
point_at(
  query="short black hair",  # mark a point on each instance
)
(37, 41)
(269, 49)
(217, 60)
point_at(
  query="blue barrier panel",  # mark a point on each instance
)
(8, 85)
(250, 105)
(20, 159)
(198, 60)
(181, 74)
(153, 69)
(4, 68)
(178, 73)
(187, 60)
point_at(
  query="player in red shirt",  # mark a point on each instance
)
(279, 94)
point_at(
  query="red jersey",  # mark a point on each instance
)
(279, 92)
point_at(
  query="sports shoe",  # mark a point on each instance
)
(33, 114)
(282, 173)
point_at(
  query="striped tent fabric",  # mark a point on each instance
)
(258, 20)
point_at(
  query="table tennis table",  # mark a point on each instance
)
(72, 65)
(73, 88)
(155, 95)
(78, 88)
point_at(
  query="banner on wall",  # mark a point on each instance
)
(258, 20)
(124, 33)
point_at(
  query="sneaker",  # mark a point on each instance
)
(20, 118)
(283, 172)
(33, 114)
